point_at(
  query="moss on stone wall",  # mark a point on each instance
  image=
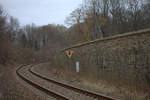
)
(120, 57)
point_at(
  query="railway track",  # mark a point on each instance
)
(51, 93)
(70, 88)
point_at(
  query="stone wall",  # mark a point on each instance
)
(126, 55)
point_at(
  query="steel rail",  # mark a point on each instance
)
(51, 93)
(83, 91)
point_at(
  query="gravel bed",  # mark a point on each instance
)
(53, 87)
(38, 92)
(44, 69)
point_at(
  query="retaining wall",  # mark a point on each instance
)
(119, 54)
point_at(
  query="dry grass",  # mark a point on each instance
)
(120, 89)
(15, 95)
(11, 89)
(112, 90)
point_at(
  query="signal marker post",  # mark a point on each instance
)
(69, 54)
(77, 66)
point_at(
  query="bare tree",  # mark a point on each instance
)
(13, 28)
(94, 10)
(3, 17)
(135, 13)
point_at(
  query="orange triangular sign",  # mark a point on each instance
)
(69, 53)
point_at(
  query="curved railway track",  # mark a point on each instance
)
(94, 95)
(51, 93)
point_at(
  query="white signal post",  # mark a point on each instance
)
(77, 66)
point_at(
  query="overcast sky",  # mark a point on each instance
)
(40, 12)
